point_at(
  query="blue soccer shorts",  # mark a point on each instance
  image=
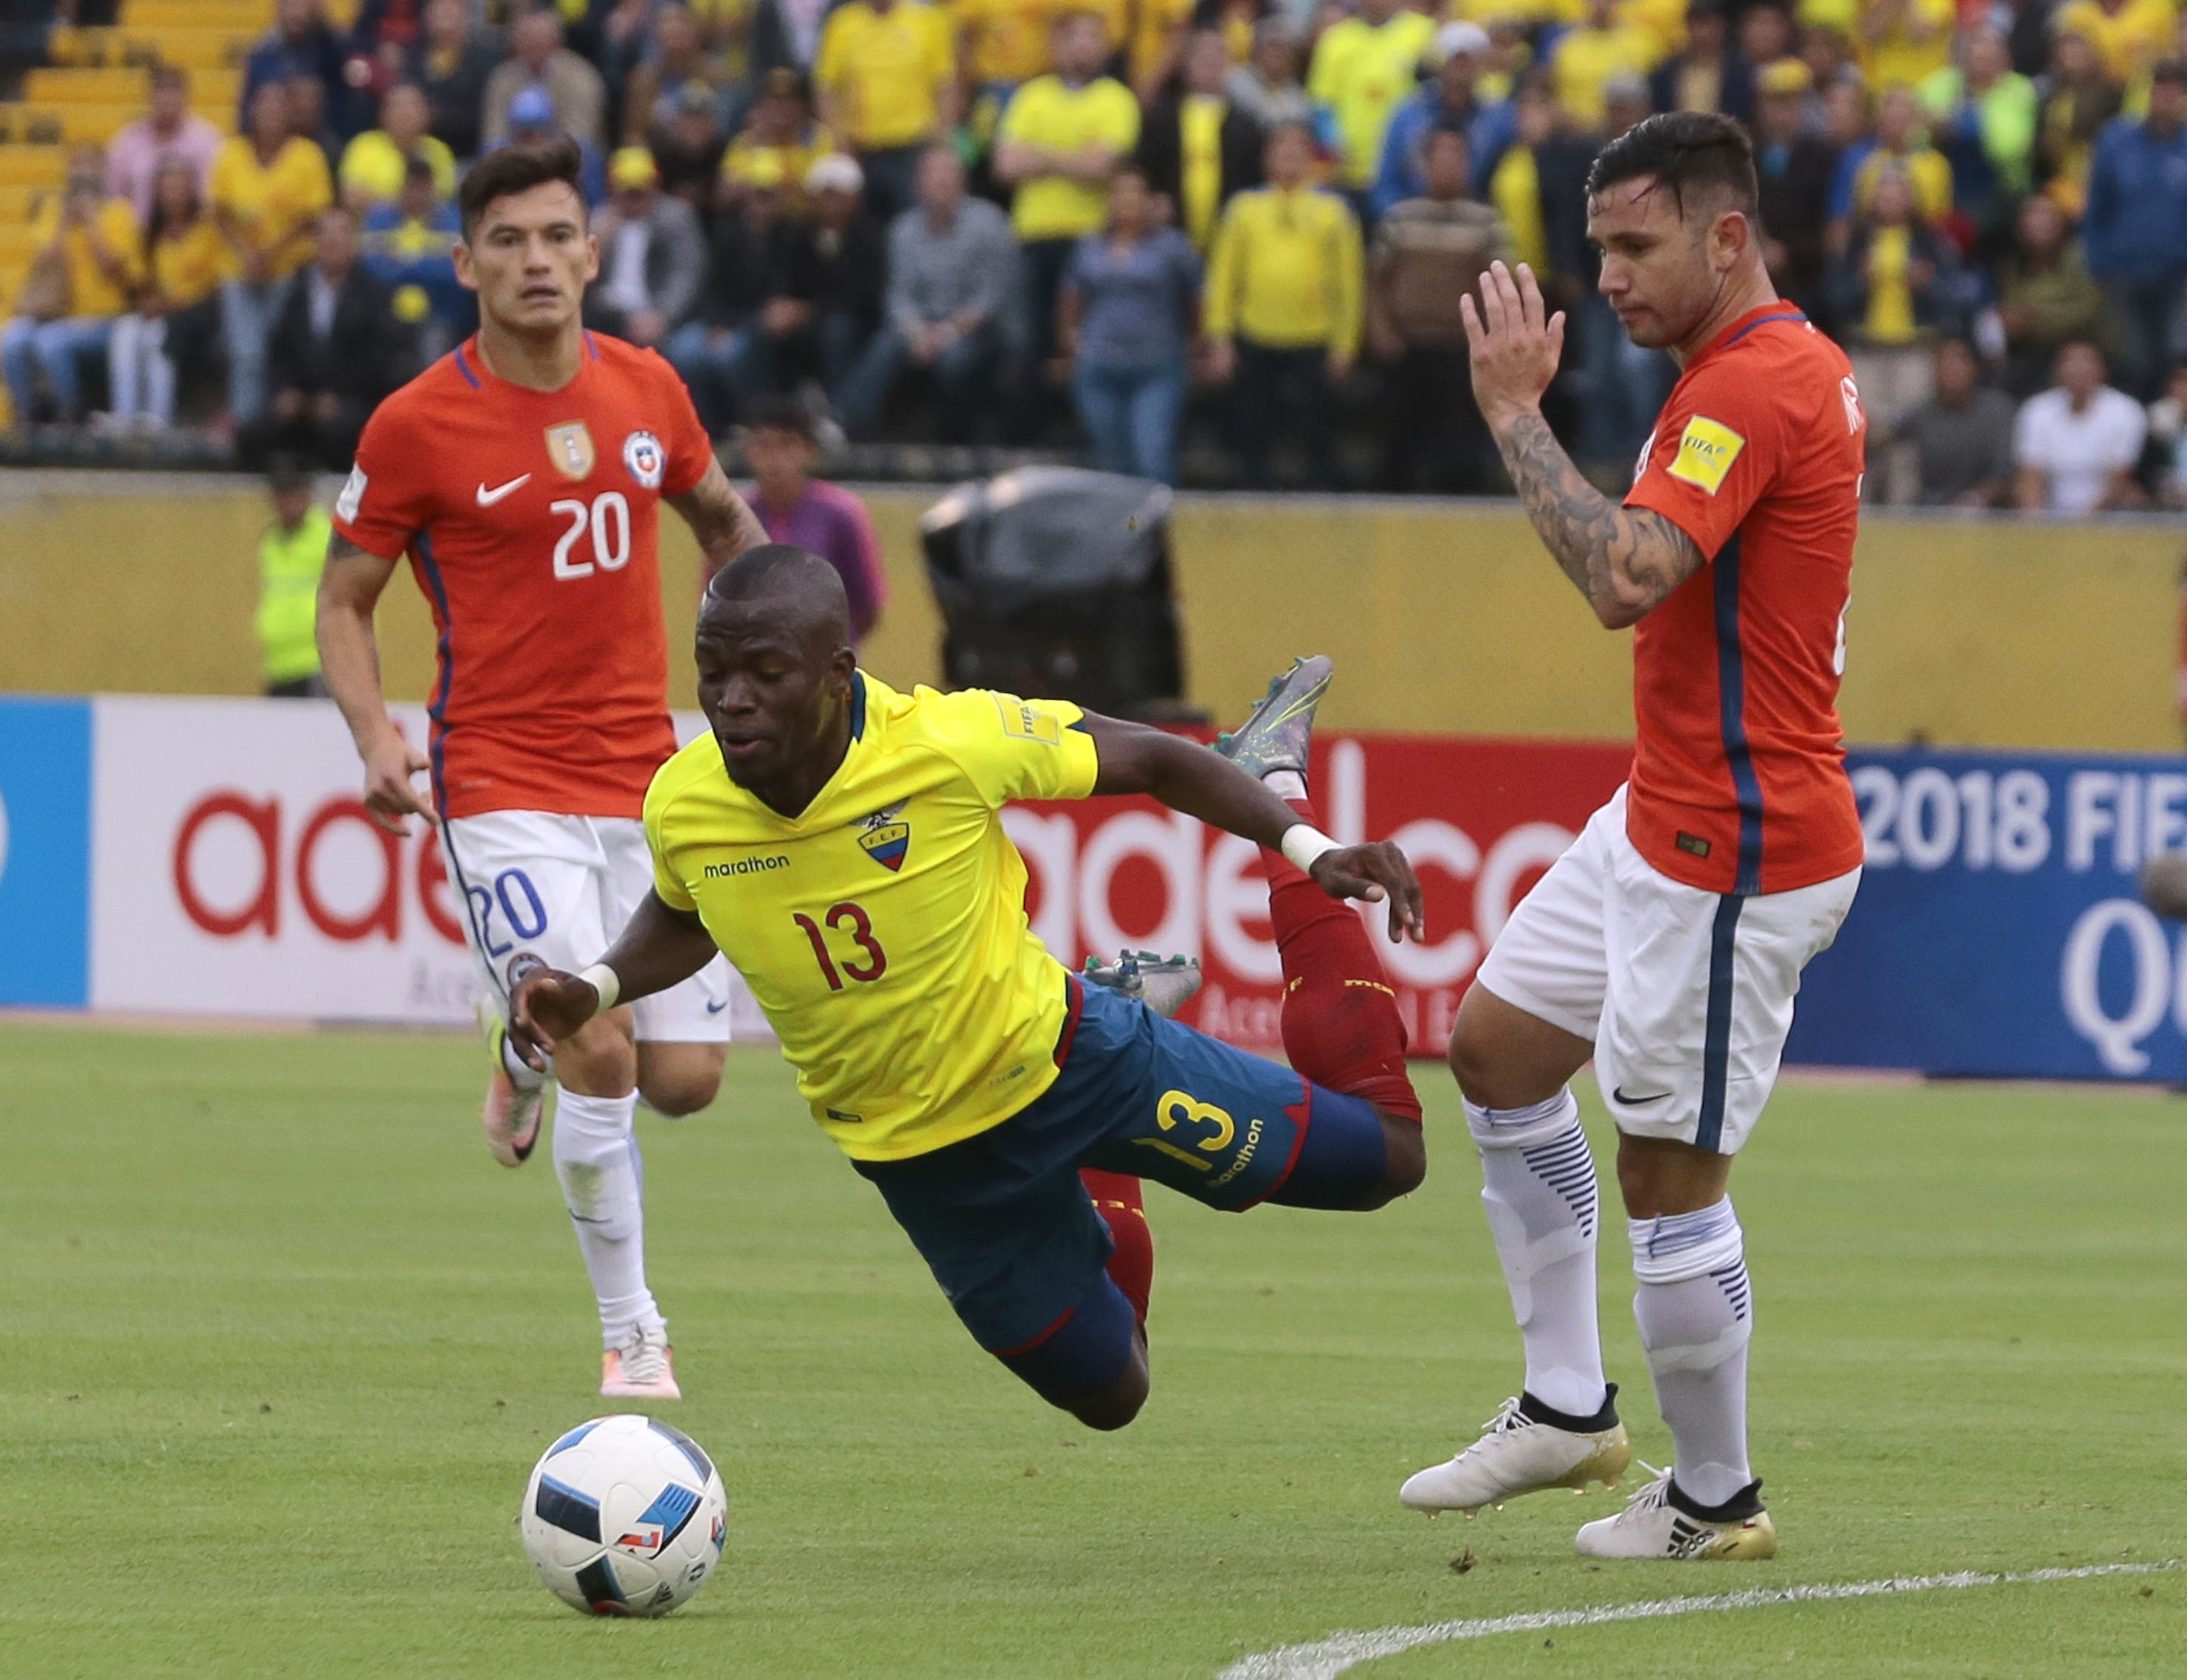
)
(1011, 1235)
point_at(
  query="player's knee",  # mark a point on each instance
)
(1471, 1056)
(1407, 1142)
(1093, 1364)
(674, 1095)
(1116, 1405)
(600, 1059)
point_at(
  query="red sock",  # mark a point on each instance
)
(1340, 1018)
(1131, 1266)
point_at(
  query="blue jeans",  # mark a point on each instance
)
(1131, 411)
(247, 317)
(963, 371)
(1624, 385)
(722, 366)
(28, 347)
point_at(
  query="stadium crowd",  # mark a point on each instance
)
(1077, 222)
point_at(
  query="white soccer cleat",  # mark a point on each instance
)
(642, 1368)
(1518, 1454)
(1653, 1525)
(511, 1113)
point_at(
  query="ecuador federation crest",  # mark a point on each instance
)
(885, 837)
(570, 449)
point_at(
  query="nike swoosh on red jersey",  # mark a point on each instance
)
(486, 497)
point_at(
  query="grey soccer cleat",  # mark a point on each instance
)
(1275, 733)
(1164, 984)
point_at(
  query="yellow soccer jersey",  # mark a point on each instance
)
(884, 930)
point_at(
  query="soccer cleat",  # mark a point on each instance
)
(1659, 1521)
(1275, 733)
(1164, 984)
(642, 1368)
(511, 1114)
(1519, 1453)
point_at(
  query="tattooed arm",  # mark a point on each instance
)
(719, 518)
(1623, 559)
(349, 655)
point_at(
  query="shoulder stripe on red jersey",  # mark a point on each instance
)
(463, 367)
(1789, 315)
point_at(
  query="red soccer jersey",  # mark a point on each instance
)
(1739, 781)
(531, 520)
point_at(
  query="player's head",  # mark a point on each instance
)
(1672, 202)
(775, 666)
(526, 249)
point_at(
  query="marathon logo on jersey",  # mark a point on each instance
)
(885, 839)
(1705, 453)
(647, 460)
(748, 866)
(570, 447)
(352, 496)
(1028, 723)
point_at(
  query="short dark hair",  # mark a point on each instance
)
(2172, 71)
(782, 412)
(1684, 151)
(518, 169)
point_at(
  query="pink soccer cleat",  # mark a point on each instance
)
(642, 1368)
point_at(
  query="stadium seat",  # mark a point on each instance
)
(236, 17)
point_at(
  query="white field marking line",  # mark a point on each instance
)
(1326, 1659)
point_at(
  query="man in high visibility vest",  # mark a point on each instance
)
(289, 557)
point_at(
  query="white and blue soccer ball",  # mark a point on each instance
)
(624, 1516)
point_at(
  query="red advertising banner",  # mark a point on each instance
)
(1480, 818)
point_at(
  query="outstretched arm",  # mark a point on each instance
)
(350, 587)
(1623, 559)
(719, 518)
(663, 946)
(1186, 776)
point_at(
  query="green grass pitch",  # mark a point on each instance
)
(281, 1343)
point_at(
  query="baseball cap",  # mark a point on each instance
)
(532, 107)
(836, 172)
(632, 169)
(1454, 38)
(1784, 75)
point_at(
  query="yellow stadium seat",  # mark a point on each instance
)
(32, 166)
(113, 86)
(241, 17)
(194, 49)
(20, 201)
(63, 125)
(19, 244)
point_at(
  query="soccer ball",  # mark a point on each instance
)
(624, 1516)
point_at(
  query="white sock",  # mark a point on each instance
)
(1537, 1183)
(525, 1078)
(1696, 1316)
(603, 1182)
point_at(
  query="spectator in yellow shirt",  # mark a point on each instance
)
(269, 187)
(886, 78)
(1900, 146)
(1904, 41)
(1590, 56)
(88, 261)
(2129, 35)
(177, 319)
(1002, 44)
(1364, 68)
(372, 164)
(1061, 139)
(1283, 309)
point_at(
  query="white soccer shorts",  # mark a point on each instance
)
(538, 884)
(1686, 995)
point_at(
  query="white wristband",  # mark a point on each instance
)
(1304, 843)
(602, 980)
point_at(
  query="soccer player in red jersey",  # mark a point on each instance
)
(522, 477)
(1667, 943)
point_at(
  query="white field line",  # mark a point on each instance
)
(1326, 1659)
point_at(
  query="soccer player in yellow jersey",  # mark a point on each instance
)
(841, 842)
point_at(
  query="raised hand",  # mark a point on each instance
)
(1374, 873)
(1516, 344)
(546, 1008)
